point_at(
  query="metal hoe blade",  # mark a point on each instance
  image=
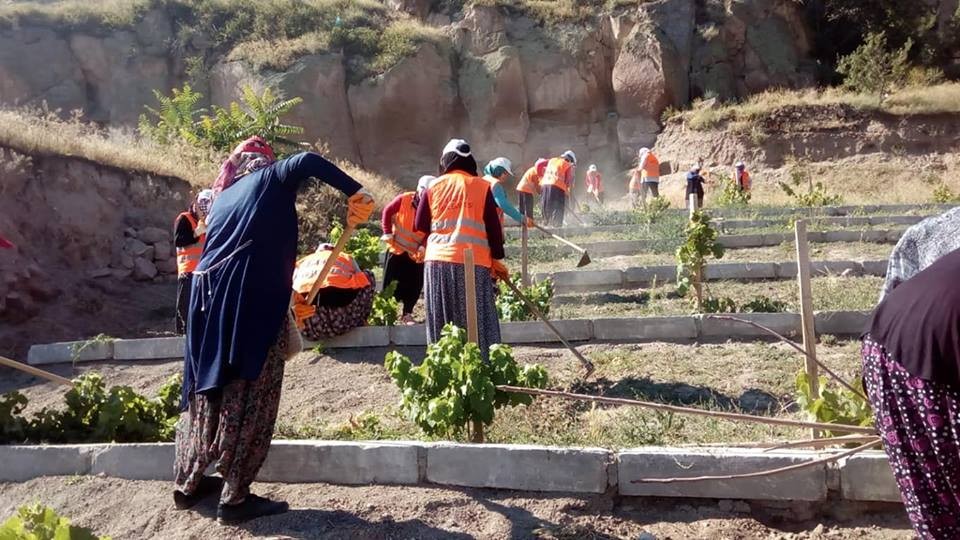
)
(584, 260)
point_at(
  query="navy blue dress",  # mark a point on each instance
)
(241, 291)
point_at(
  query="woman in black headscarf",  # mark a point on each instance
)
(458, 212)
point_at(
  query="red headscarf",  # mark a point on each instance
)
(250, 155)
(6, 244)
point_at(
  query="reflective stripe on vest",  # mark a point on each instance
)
(556, 174)
(456, 202)
(189, 257)
(345, 274)
(651, 167)
(530, 182)
(405, 239)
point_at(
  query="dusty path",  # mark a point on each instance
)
(129, 509)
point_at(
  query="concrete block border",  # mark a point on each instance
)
(627, 329)
(866, 477)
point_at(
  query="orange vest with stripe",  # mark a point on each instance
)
(345, 273)
(651, 168)
(189, 257)
(405, 239)
(456, 206)
(530, 182)
(556, 174)
(745, 182)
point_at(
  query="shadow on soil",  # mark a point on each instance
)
(524, 524)
(752, 401)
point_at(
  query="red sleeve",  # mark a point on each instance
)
(491, 220)
(423, 219)
(386, 220)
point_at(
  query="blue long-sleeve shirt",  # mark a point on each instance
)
(238, 306)
(503, 202)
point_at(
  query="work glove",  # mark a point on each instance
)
(387, 238)
(201, 229)
(499, 271)
(359, 207)
(421, 254)
(530, 223)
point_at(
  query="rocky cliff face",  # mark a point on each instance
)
(512, 85)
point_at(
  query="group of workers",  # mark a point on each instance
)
(645, 180)
(245, 301)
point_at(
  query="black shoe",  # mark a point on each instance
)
(208, 485)
(251, 508)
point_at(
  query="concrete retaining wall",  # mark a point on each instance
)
(865, 477)
(606, 280)
(630, 329)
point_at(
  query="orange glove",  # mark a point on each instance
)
(499, 271)
(530, 222)
(359, 207)
(302, 312)
(421, 254)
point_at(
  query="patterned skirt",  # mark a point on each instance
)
(346, 310)
(446, 302)
(918, 420)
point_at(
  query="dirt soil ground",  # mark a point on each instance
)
(131, 509)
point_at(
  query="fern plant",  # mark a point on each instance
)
(175, 118)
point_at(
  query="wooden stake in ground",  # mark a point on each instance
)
(697, 272)
(473, 332)
(806, 310)
(35, 372)
(524, 262)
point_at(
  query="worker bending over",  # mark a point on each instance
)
(529, 186)
(343, 301)
(594, 183)
(459, 213)
(497, 173)
(239, 331)
(189, 234)
(404, 263)
(557, 185)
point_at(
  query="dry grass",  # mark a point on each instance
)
(33, 132)
(941, 98)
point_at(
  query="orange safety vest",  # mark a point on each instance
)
(456, 205)
(345, 273)
(405, 239)
(189, 257)
(530, 182)
(651, 168)
(556, 173)
(744, 181)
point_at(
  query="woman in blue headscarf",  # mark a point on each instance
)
(238, 327)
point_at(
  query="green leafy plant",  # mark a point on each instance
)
(37, 522)
(816, 193)
(385, 307)
(833, 406)
(719, 305)
(764, 304)
(943, 195)
(652, 211)
(363, 245)
(730, 196)
(700, 243)
(873, 68)
(179, 119)
(511, 307)
(454, 388)
(93, 414)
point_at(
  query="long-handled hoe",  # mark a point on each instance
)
(584, 256)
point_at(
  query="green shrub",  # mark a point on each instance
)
(731, 196)
(943, 195)
(875, 69)
(700, 242)
(764, 304)
(719, 305)
(833, 406)
(178, 118)
(511, 307)
(454, 387)
(385, 307)
(816, 193)
(93, 414)
(363, 245)
(37, 522)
